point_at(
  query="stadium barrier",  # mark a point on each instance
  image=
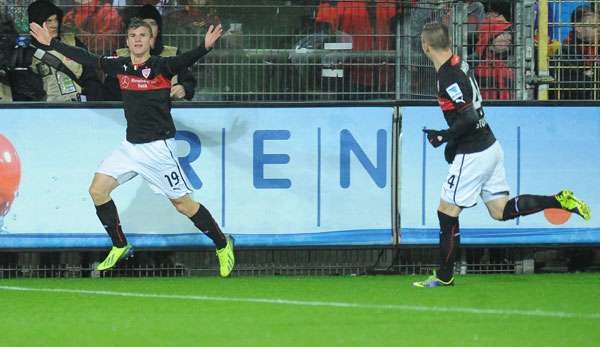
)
(295, 176)
(546, 149)
(291, 176)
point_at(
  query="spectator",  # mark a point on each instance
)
(17, 81)
(182, 85)
(97, 24)
(493, 47)
(561, 12)
(369, 24)
(578, 68)
(63, 79)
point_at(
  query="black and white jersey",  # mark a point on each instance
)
(457, 92)
(145, 88)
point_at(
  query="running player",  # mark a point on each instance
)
(476, 159)
(149, 148)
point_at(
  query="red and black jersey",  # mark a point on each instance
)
(146, 88)
(459, 96)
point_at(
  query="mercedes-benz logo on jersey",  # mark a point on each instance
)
(124, 82)
(146, 72)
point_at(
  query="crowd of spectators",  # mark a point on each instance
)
(368, 28)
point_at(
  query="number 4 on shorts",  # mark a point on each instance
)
(451, 181)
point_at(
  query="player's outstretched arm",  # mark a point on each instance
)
(187, 59)
(79, 55)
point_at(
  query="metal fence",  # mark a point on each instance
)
(572, 53)
(311, 50)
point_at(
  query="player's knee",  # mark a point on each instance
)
(98, 194)
(183, 207)
(180, 207)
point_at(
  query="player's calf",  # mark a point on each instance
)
(524, 205)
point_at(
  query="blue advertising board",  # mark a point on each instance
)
(546, 149)
(270, 177)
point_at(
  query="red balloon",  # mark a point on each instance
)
(10, 174)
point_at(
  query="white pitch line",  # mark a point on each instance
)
(477, 311)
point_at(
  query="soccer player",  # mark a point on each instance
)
(476, 159)
(149, 148)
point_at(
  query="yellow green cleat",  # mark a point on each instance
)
(433, 282)
(569, 202)
(114, 256)
(226, 258)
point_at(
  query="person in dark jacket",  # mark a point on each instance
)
(17, 81)
(577, 71)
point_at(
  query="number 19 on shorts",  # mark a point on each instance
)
(172, 179)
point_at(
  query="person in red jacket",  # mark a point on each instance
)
(369, 23)
(97, 24)
(493, 48)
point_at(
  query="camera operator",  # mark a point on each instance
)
(17, 81)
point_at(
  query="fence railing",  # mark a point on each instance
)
(570, 55)
(357, 50)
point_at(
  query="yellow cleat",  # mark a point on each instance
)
(114, 256)
(226, 258)
(569, 202)
(433, 282)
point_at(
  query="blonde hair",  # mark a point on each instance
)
(436, 35)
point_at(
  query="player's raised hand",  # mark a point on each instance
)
(39, 33)
(212, 35)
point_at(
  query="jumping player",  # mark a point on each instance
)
(149, 148)
(476, 159)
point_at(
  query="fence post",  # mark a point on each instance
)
(523, 51)
(398, 48)
(459, 29)
(543, 71)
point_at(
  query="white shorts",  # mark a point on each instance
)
(476, 174)
(154, 161)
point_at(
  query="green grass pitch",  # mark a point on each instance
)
(486, 310)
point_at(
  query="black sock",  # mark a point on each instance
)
(109, 217)
(205, 222)
(449, 245)
(524, 205)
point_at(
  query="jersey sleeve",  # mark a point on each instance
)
(176, 64)
(456, 88)
(456, 93)
(110, 65)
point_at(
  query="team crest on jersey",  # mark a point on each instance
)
(455, 93)
(146, 72)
